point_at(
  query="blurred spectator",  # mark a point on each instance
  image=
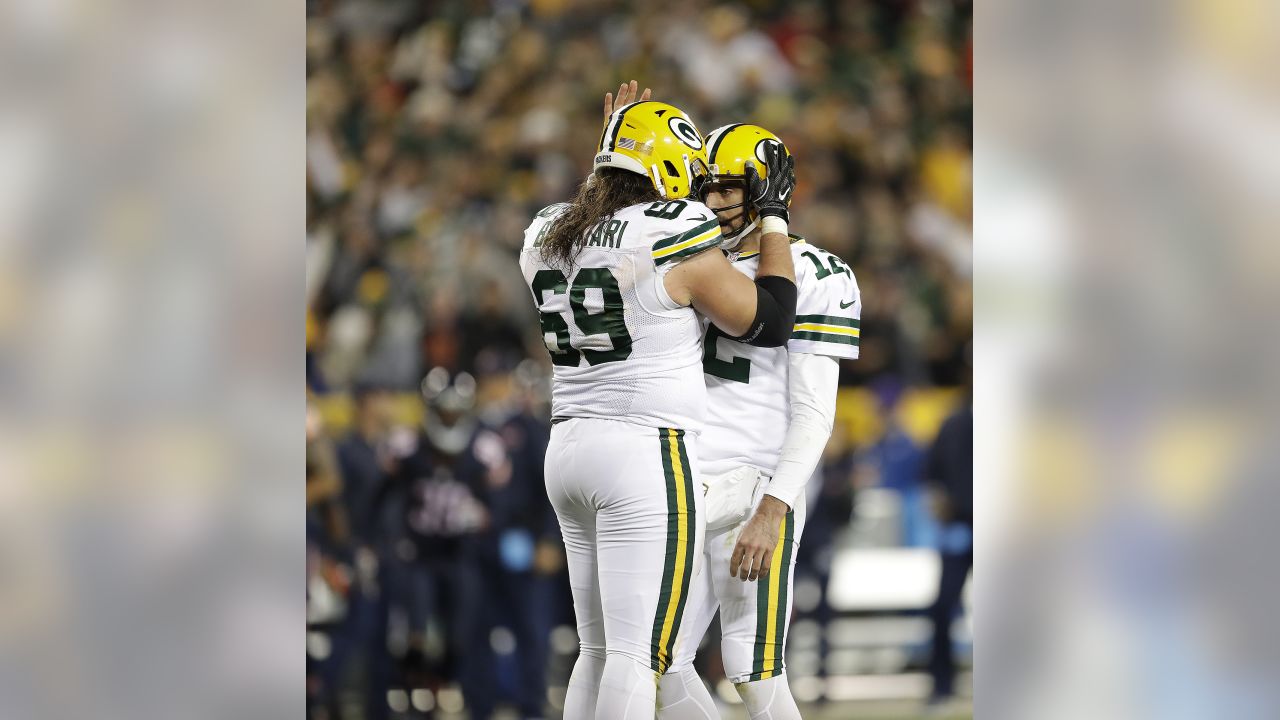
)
(470, 564)
(523, 553)
(437, 481)
(490, 327)
(363, 459)
(328, 576)
(949, 472)
(727, 59)
(326, 516)
(894, 462)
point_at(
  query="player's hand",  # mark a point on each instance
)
(627, 94)
(769, 195)
(758, 540)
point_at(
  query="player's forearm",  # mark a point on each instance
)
(775, 250)
(801, 452)
(812, 382)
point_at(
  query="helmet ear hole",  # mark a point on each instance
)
(671, 168)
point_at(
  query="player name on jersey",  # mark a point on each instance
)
(603, 234)
(607, 234)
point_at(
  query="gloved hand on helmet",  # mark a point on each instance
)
(768, 196)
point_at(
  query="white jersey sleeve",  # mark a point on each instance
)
(829, 307)
(812, 382)
(691, 228)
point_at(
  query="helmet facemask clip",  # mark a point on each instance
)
(657, 181)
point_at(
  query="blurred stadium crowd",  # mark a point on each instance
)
(434, 132)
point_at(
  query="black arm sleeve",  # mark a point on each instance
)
(775, 313)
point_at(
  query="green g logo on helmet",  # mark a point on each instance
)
(685, 130)
(656, 140)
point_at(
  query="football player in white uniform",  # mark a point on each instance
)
(754, 474)
(616, 275)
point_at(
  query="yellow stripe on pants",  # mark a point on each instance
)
(682, 543)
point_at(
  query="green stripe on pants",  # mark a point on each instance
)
(657, 659)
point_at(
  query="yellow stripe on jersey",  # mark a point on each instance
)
(674, 249)
(822, 328)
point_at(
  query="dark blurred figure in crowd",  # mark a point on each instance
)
(327, 526)
(363, 459)
(522, 552)
(473, 558)
(437, 482)
(492, 332)
(894, 462)
(328, 566)
(949, 473)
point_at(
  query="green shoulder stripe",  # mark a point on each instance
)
(694, 249)
(685, 236)
(827, 320)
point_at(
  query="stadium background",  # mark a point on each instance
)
(435, 131)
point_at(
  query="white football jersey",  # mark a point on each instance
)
(748, 407)
(622, 349)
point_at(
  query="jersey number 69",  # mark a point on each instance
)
(608, 322)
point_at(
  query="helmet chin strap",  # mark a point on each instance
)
(732, 240)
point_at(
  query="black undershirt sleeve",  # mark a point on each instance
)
(775, 313)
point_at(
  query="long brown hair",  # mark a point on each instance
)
(599, 197)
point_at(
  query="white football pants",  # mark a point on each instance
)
(629, 505)
(754, 615)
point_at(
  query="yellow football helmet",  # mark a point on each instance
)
(656, 140)
(730, 149)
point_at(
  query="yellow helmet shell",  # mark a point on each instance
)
(731, 147)
(656, 140)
